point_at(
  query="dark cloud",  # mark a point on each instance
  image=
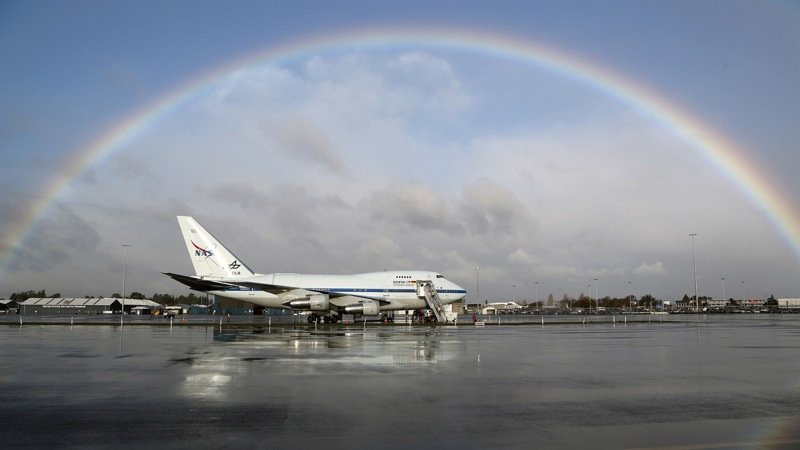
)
(412, 206)
(485, 208)
(290, 208)
(54, 240)
(489, 208)
(129, 168)
(301, 139)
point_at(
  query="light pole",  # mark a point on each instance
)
(694, 269)
(630, 297)
(723, 289)
(536, 287)
(124, 270)
(596, 298)
(744, 295)
(478, 287)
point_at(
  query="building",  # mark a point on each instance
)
(715, 303)
(788, 303)
(102, 305)
(8, 306)
(503, 307)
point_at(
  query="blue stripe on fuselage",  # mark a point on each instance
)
(359, 290)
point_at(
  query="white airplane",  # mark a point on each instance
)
(326, 297)
(505, 305)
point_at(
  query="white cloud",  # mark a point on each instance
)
(428, 83)
(415, 206)
(656, 268)
(520, 257)
(381, 252)
(493, 209)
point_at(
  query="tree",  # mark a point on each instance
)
(583, 302)
(136, 295)
(166, 299)
(20, 296)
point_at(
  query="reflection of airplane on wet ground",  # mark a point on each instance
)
(314, 345)
(327, 297)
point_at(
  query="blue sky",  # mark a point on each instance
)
(355, 158)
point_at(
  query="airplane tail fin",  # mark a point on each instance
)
(209, 257)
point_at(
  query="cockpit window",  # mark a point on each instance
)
(439, 276)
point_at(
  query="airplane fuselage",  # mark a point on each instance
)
(394, 290)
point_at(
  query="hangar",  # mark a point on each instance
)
(8, 307)
(789, 303)
(103, 305)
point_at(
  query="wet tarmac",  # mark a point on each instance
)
(720, 382)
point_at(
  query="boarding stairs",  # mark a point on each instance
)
(425, 289)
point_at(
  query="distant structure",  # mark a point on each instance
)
(788, 303)
(502, 307)
(8, 307)
(104, 305)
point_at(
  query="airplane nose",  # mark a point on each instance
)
(459, 288)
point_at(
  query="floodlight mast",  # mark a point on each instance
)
(124, 270)
(694, 269)
(596, 298)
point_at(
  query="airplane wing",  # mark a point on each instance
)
(289, 293)
(286, 293)
(199, 284)
(271, 288)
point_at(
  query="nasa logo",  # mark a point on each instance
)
(200, 251)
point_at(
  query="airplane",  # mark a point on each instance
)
(326, 297)
(504, 306)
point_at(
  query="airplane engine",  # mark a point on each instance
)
(316, 302)
(366, 308)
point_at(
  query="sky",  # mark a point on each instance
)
(519, 148)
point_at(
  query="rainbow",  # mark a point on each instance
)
(713, 146)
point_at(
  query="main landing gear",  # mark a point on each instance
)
(316, 318)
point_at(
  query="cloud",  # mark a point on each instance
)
(381, 252)
(656, 268)
(303, 140)
(490, 208)
(520, 258)
(415, 206)
(289, 208)
(427, 83)
(54, 241)
(128, 168)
